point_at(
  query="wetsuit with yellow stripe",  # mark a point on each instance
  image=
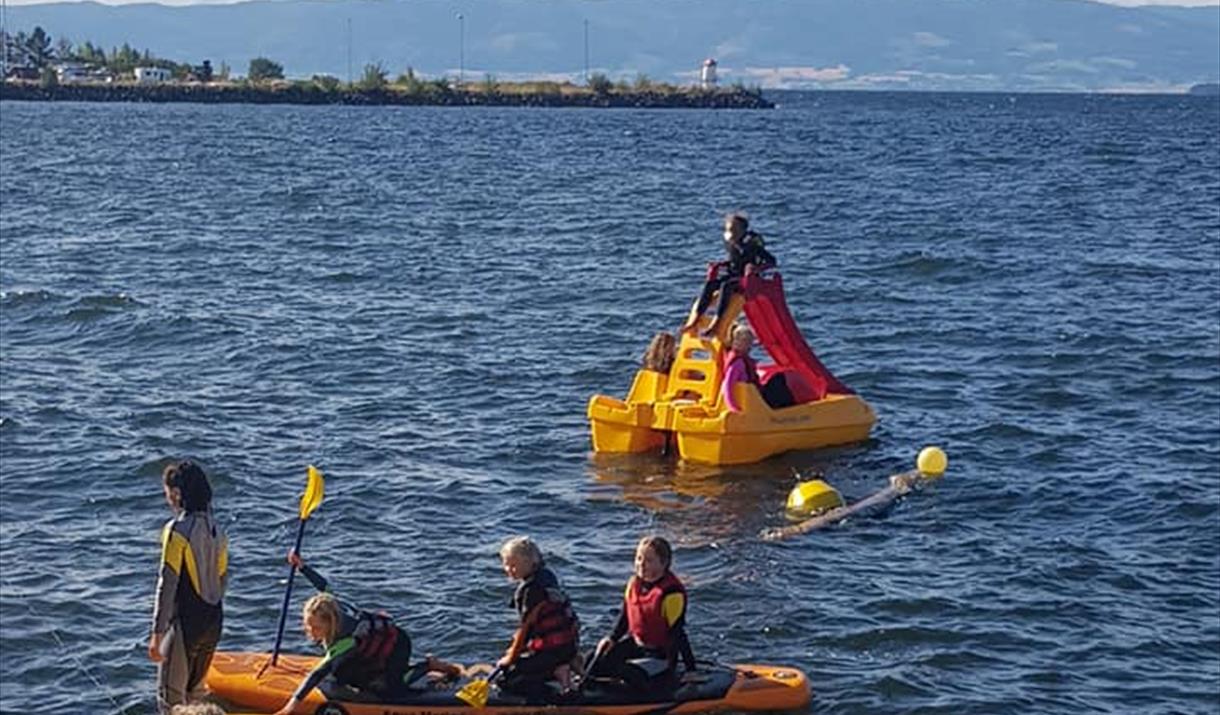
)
(652, 624)
(188, 612)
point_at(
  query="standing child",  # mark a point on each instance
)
(365, 651)
(187, 616)
(547, 636)
(652, 623)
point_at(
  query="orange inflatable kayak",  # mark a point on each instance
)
(236, 678)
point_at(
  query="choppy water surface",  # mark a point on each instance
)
(421, 301)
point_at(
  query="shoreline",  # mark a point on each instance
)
(308, 94)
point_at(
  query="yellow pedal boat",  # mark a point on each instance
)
(684, 406)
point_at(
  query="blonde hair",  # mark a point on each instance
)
(323, 606)
(197, 709)
(661, 352)
(740, 329)
(522, 547)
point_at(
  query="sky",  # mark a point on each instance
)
(1124, 3)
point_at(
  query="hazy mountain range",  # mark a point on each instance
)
(925, 44)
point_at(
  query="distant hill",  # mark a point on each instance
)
(1032, 45)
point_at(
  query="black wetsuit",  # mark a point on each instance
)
(750, 252)
(551, 633)
(346, 667)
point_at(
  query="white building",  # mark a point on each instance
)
(71, 73)
(152, 75)
(708, 76)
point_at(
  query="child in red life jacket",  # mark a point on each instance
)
(653, 621)
(546, 640)
(365, 651)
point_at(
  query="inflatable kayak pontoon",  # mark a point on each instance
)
(238, 679)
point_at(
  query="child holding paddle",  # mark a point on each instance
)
(546, 640)
(652, 623)
(365, 651)
(188, 614)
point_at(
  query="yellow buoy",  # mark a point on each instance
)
(813, 496)
(932, 462)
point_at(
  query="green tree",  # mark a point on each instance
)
(409, 82)
(326, 83)
(600, 84)
(373, 78)
(262, 68)
(123, 60)
(89, 54)
(38, 48)
(642, 82)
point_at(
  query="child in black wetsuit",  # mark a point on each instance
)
(746, 254)
(365, 651)
(546, 640)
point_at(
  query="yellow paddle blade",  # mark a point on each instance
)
(474, 693)
(313, 492)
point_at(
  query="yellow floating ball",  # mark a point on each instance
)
(813, 496)
(932, 461)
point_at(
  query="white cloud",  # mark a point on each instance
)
(1113, 62)
(1062, 66)
(510, 41)
(792, 77)
(930, 39)
(729, 48)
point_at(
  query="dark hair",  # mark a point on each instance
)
(660, 547)
(189, 479)
(737, 217)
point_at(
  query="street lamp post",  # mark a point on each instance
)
(586, 52)
(461, 49)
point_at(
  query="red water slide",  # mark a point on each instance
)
(771, 321)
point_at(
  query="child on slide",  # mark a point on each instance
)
(365, 651)
(746, 254)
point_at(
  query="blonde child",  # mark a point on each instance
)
(548, 633)
(365, 651)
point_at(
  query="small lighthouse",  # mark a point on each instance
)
(707, 77)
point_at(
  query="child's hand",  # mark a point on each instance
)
(154, 648)
(295, 559)
(504, 662)
(603, 645)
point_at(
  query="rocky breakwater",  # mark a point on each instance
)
(426, 94)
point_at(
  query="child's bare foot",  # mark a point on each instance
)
(450, 670)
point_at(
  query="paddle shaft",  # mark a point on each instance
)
(292, 572)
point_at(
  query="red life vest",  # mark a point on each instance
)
(555, 625)
(378, 639)
(645, 616)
